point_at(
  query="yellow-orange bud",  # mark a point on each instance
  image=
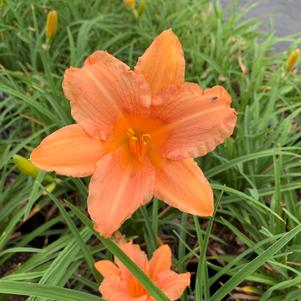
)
(51, 24)
(293, 59)
(129, 3)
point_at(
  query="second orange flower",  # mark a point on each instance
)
(120, 285)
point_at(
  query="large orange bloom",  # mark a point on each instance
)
(120, 285)
(137, 132)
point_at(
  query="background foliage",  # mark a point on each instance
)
(249, 249)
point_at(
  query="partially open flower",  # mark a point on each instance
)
(137, 133)
(120, 285)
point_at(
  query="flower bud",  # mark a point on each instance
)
(293, 59)
(51, 24)
(129, 3)
(49, 188)
(25, 166)
(141, 8)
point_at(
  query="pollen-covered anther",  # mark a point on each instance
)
(138, 143)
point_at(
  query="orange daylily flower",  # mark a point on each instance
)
(120, 285)
(137, 132)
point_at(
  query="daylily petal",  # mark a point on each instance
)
(196, 121)
(134, 252)
(163, 63)
(102, 91)
(113, 289)
(182, 185)
(161, 261)
(68, 151)
(173, 284)
(107, 268)
(119, 186)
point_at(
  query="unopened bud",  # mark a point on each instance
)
(141, 8)
(25, 166)
(293, 59)
(49, 188)
(129, 3)
(51, 24)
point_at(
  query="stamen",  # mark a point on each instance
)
(133, 144)
(138, 144)
(146, 137)
(130, 132)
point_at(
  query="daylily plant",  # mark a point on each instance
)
(119, 284)
(137, 133)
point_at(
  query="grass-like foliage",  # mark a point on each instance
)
(251, 247)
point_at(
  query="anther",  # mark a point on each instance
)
(146, 137)
(130, 132)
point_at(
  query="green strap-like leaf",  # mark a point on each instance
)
(253, 265)
(44, 291)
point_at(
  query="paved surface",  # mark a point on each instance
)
(285, 15)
